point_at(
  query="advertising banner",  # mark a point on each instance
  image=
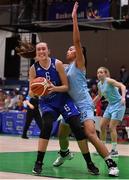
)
(13, 123)
(87, 9)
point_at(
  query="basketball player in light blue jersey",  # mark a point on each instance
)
(114, 113)
(78, 90)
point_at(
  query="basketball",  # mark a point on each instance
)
(39, 86)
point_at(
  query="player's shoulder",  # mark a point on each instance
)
(109, 80)
(56, 61)
(59, 64)
(32, 67)
(59, 61)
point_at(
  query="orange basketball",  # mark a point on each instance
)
(39, 86)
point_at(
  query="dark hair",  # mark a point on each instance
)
(26, 49)
(122, 67)
(84, 50)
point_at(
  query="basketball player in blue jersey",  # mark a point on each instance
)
(78, 90)
(114, 113)
(56, 103)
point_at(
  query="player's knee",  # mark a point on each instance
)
(79, 135)
(46, 132)
(103, 127)
(76, 128)
(112, 129)
(46, 127)
(91, 135)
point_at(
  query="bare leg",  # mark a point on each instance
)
(42, 144)
(63, 134)
(112, 126)
(65, 154)
(103, 126)
(89, 128)
(90, 131)
(47, 123)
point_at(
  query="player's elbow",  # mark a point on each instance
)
(123, 87)
(76, 41)
(66, 88)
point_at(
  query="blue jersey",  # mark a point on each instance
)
(51, 74)
(110, 92)
(78, 86)
(57, 102)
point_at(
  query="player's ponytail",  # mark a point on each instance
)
(26, 49)
(85, 55)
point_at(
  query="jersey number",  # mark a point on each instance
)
(66, 107)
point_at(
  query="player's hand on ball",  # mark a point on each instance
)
(52, 88)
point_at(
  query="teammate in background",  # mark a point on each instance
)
(31, 104)
(115, 110)
(78, 90)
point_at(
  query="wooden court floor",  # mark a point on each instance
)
(12, 144)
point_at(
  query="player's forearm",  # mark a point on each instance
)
(96, 99)
(123, 91)
(63, 88)
(76, 33)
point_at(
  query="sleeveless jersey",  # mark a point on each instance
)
(78, 87)
(54, 99)
(56, 102)
(51, 74)
(110, 92)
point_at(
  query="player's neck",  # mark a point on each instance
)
(45, 63)
(102, 81)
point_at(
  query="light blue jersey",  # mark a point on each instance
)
(79, 91)
(110, 92)
(115, 109)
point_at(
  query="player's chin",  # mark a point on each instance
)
(67, 57)
(42, 57)
(99, 78)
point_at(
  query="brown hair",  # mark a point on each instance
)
(26, 49)
(106, 70)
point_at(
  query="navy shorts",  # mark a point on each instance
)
(66, 108)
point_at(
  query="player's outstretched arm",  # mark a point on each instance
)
(80, 61)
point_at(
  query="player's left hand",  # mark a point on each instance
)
(52, 88)
(74, 12)
(123, 101)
